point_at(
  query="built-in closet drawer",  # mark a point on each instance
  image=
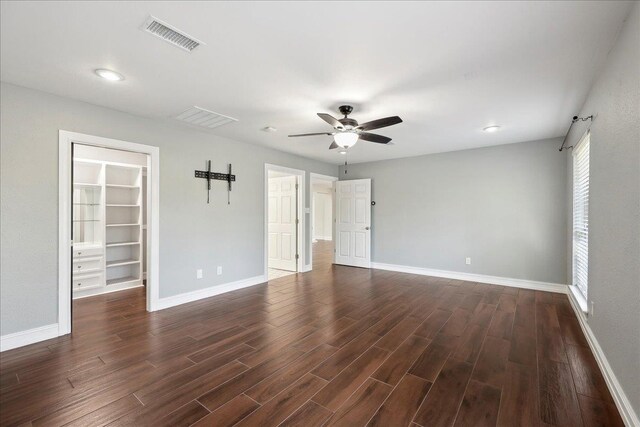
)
(81, 265)
(87, 282)
(87, 252)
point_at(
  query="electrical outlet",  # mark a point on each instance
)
(219, 271)
(467, 261)
(199, 273)
(591, 309)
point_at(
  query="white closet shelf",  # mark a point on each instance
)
(122, 206)
(122, 165)
(121, 280)
(123, 225)
(86, 220)
(113, 245)
(86, 184)
(120, 262)
(134, 187)
(86, 204)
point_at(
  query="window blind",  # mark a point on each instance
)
(581, 215)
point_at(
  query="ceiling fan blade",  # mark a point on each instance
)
(374, 137)
(380, 123)
(333, 145)
(311, 134)
(331, 120)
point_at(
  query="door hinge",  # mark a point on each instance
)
(297, 256)
(296, 186)
(297, 221)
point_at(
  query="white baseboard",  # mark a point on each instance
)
(470, 277)
(20, 339)
(629, 416)
(207, 292)
(105, 290)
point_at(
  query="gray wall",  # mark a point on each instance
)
(503, 206)
(614, 207)
(192, 234)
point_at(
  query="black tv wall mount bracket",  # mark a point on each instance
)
(208, 175)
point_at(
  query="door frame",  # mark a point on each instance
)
(301, 203)
(320, 177)
(65, 163)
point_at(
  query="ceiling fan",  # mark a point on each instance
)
(348, 131)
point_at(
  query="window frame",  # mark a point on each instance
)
(579, 204)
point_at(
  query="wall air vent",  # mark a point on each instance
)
(200, 117)
(170, 34)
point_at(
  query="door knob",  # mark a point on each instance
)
(367, 228)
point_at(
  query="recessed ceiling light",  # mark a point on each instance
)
(493, 128)
(112, 76)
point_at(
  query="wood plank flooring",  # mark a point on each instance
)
(336, 346)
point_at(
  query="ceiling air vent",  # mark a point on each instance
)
(200, 117)
(170, 34)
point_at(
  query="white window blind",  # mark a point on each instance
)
(581, 215)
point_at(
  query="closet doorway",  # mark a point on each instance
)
(322, 215)
(109, 220)
(109, 202)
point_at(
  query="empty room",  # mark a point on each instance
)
(320, 213)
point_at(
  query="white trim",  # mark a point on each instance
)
(30, 336)
(319, 177)
(126, 286)
(629, 416)
(208, 292)
(64, 233)
(322, 177)
(302, 216)
(580, 299)
(471, 277)
(65, 139)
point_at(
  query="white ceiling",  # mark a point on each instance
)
(447, 68)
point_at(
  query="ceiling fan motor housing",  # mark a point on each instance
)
(345, 109)
(348, 123)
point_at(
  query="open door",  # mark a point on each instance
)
(353, 222)
(282, 223)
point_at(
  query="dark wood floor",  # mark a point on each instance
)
(337, 346)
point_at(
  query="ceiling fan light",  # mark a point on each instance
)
(346, 139)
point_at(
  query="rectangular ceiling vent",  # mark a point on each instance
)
(170, 34)
(200, 117)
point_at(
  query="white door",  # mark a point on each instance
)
(282, 223)
(353, 222)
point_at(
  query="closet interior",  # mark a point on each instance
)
(109, 220)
